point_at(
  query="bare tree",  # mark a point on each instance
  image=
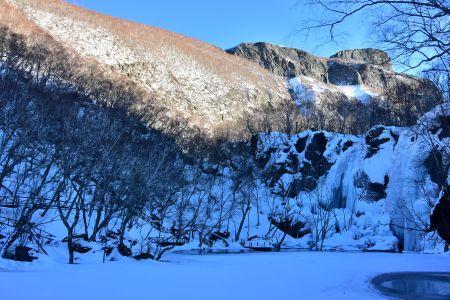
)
(321, 215)
(415, 31)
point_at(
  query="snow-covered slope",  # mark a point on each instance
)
(194, 81)
(202, 85)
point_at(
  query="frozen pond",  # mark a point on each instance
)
(261, 276)
(414, 285)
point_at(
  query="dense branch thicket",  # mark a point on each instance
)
(82, 155)
(73, 150)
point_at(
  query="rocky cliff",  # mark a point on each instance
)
(344, 87)
(283, 61)
(370, 56)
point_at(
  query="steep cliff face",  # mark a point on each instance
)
(347, 86)
(283, 61)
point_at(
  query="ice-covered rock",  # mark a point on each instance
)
(391, 175)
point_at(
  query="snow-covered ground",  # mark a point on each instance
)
(288, 275)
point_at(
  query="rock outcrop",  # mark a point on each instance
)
(283, 61)
(369, 56)
(333, 84)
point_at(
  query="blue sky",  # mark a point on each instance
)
(228, 23)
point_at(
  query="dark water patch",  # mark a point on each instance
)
(414, 285)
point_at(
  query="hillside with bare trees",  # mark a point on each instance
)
(191, 80)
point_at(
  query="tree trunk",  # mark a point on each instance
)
(241, 224)
(70, 248)
(278, 245)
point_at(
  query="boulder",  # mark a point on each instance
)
(124, 250)
(79, 248)
(143, 256)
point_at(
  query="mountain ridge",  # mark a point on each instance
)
(328, 87)
(216, 94)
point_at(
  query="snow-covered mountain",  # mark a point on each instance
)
(206, 88)
(192, 80)
(90, 157)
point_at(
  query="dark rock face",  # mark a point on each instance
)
(312, 169)
(445, 127)
(442, 125)
(374, 140)
(340, 73)
(314, 153)
(437, 163)
(369, 55)
(296, 229)
(305, 184)
(283, 61)
(347, 145)
(373, 191)
(301, 144)
(440, 218)
(436, 168)
(304, 157)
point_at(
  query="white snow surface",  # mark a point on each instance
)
(302, 275)
(306, 89)
(85, 41)
(359, 92)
